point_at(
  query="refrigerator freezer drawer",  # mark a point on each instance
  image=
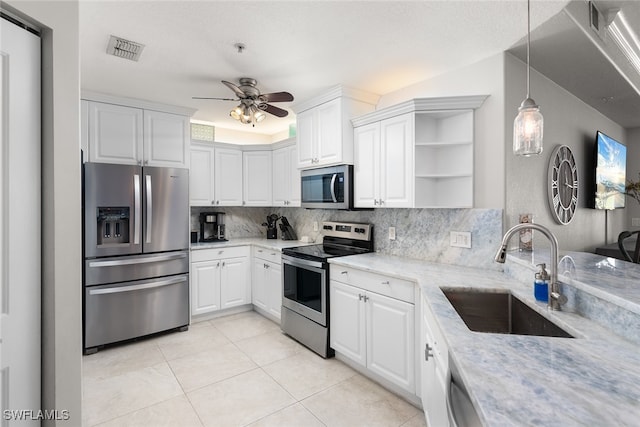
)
(119, 312)
(135, 267)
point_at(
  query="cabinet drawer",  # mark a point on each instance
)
(401, 289)
(271, 255)
(219, 253)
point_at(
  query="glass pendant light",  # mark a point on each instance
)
(528, 125)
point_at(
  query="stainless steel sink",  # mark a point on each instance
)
(500, 312)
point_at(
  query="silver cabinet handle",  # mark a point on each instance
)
(427, 352)
(213, 202)
(138, 212)
(149, 208)
(360, 297)
(375, 201)
(133, 261)
(381, 202)
(366, 298)
(260, 250)
(218, 264)
(120, 289)
(223, 263)
(386, 282)
(344, 272)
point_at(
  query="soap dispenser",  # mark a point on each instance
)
(541, 284)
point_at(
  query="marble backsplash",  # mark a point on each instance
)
(420, 233)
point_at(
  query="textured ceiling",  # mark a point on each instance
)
(303, 47)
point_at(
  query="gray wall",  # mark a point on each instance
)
(568, 121)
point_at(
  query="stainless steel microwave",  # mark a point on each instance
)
(327, 188)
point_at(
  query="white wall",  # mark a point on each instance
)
(633, 173)
(568, 121)
(482, 78)
(61, 204)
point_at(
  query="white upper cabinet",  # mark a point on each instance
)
(383, 154)
(286, 177)
(323, 126)
(215, 176)
(133, 132)
(166, 139)
(115, 134)
(416, 154)
(257, 177)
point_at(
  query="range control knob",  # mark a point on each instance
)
(327, 227)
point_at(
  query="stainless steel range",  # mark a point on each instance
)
(305, 302)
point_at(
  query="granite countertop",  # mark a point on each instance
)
(276, 244)
(592, 379)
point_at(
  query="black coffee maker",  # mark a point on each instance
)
(272, 229)
(212, 227)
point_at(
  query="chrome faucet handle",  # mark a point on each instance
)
(558, 298)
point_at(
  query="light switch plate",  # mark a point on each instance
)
(392, 233)
(635, 222)
(460, 239)
(315, 225)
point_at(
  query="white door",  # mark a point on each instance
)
(257, 177)
(348, 332)
(228, 177)
(235, 288)
(20, 234)
(166, 139)
(205, 287)
(259, 284)
(201, 175)
(396, 171)
(390, 329)
(306, 139)
(366, 166)
(329, 132)
(115, 134)
(281, 176)
(273, 281)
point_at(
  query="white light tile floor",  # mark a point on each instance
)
(238, 370)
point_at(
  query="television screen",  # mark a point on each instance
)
(611, 167)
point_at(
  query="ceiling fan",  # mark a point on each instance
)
(253, 104)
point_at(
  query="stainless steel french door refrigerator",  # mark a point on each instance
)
(136, 249)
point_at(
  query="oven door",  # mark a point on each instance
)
(305, 287)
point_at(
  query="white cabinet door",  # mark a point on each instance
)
(259, 284)
(434, 375)
(115, 134)
(396, 165)
(228, 177)
(347, 314)
(205, 286)
(328, 132)
(235, 288)
(390, 339)
(257, 177)
(84, 130)
(273, 280)
(306, 138)
(166, 139)
(201, 175)
(286, 177)
(367, 165)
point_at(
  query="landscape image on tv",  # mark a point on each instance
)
(611, 166)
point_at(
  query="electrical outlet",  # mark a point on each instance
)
(635, 222)
(460, 239)
(315, 225)
(392, 233)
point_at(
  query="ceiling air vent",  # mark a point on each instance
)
(124, 48)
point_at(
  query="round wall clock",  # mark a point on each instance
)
(563, 184)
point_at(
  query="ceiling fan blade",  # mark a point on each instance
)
(235, 89)
(278, 112)
(277, 97)
(219, 99)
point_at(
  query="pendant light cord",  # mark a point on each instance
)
(528, 46)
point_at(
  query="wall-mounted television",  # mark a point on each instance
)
(611, 172)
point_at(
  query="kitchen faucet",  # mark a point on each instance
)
(555, 299)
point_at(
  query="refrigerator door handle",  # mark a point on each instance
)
(149, 208)
(120, 289)
(138, 212)
(145, 260)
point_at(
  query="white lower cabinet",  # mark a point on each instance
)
(266, 282)
(219, 279)
(372, 329)
(434, 370)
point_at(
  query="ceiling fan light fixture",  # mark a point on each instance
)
(258, 115)
(236, 112)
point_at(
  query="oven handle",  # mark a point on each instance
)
(333, 188)
(298, 262)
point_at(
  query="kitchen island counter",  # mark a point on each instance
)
(591, 379)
